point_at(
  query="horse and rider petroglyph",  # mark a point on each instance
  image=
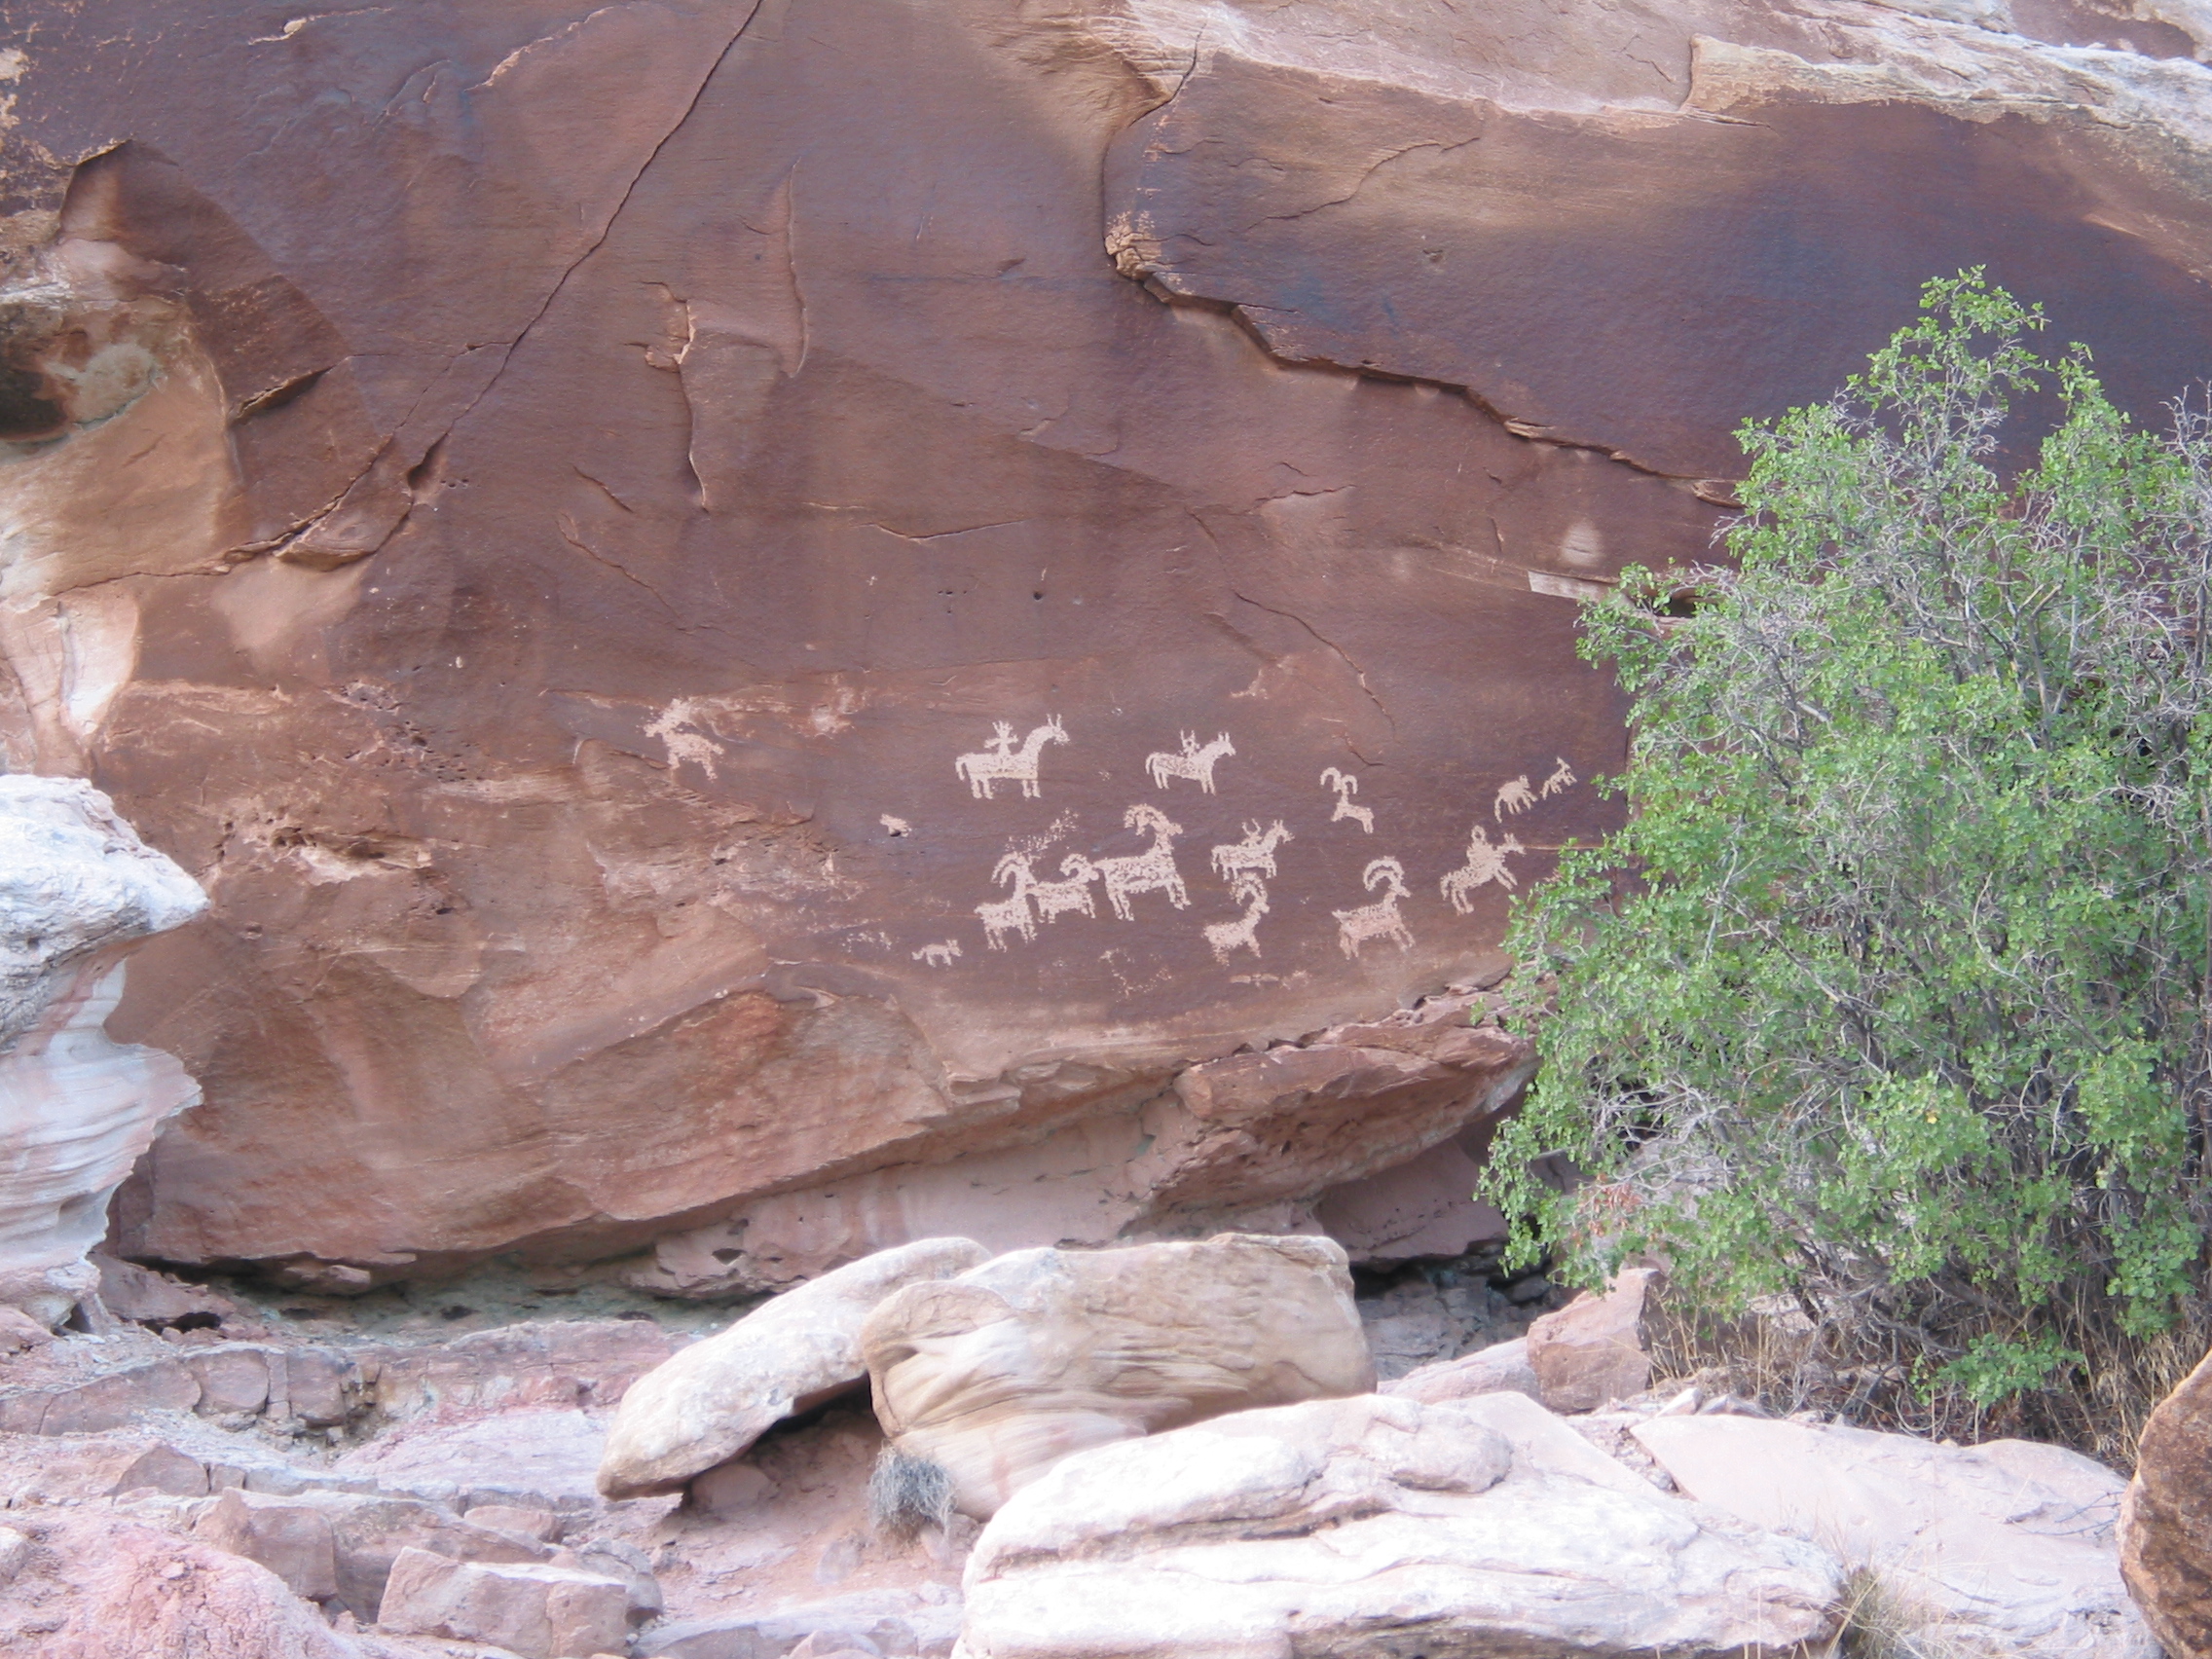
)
(1514, 795)
(1000, 758)
(1152, 871)
(1485, 863)
(1256, 852)
(1347, 786)
(1194, 762)
(1380, 919)
(1229, 937)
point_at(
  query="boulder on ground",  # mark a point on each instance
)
(2003, 1551)
(1502, 1368)
(1593, 1351)
(531, 1609)
(1376, 1528)
(93, 1586)
(993, 1376)
(712, 1400)
(2165, 1528)
(288, 1535)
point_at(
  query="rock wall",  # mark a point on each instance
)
(727, 594)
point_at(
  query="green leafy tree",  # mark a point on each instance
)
(1892, 996)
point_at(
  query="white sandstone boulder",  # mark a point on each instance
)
(993, 1376)
(77, 888)
(1376, 1528)
(709, 1402)
(2004, 1548)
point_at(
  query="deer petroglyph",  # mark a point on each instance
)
(1255, 853)
(1347, 786)
(1380, 919)
(1152, 871)
(1485, 863)
(1229, 937)
(1000, 758)
(1194, 762)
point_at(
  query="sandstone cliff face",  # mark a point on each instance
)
(727, 596)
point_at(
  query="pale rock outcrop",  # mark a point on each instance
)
(1594, 1350)
(2165, 1528)
(77, 888)
(2002, 1551)
(1372, 1527)
(711, 1401)
(1502, 1368)
(533, 1611)
(996, 1374)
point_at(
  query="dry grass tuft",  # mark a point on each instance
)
(906, 1493)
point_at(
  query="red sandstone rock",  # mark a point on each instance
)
(537, 1612)
(2165, 1522)
(1592, 1350)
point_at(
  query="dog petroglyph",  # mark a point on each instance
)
(1514, 795)
(938, 955)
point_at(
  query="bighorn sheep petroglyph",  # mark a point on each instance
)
(1380, 919)
(1194, 762)
(1227, 938)
(1256, 852)
(1152, 871)
(1002, 916)
(1485, 863)
(1054, 899)
(1347, 786)
(1000, 759)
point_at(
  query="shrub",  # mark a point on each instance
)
(1892, 995)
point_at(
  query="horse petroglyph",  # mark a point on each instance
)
(938, 955)
(1194, 762)
(1256, 852)
(1227, 938)
(1485, 863)
(1347, 786)
(1514, 795)
(1152, 871)
(1380, 919)
(1562, 780)
(1000, 758)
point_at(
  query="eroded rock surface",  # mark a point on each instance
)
(78, 889)
(2165, 1529)
(996, 1374)
(1357, 1526)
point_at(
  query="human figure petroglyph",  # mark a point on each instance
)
(1256, 852)
(1002, 916)
(1227, 938)
(1055, 899)
(1380, 919)
(998, 758)
(1561, 779)
(938, 955)
(1194, 762)
(1485, 863)
(1513, 796)
(1152, 871)
(1347, 786)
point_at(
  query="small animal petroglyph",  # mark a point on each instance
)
(896, 825)
(1227, 938)
(1347, 786)
(1485, 863)
(1380, 919)
(1152, 871)
(1560, 780)
(1002, 916)
(1000, 758)
(1513, 796)
(1256, 852)
(1194, 762)
(938, 955)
